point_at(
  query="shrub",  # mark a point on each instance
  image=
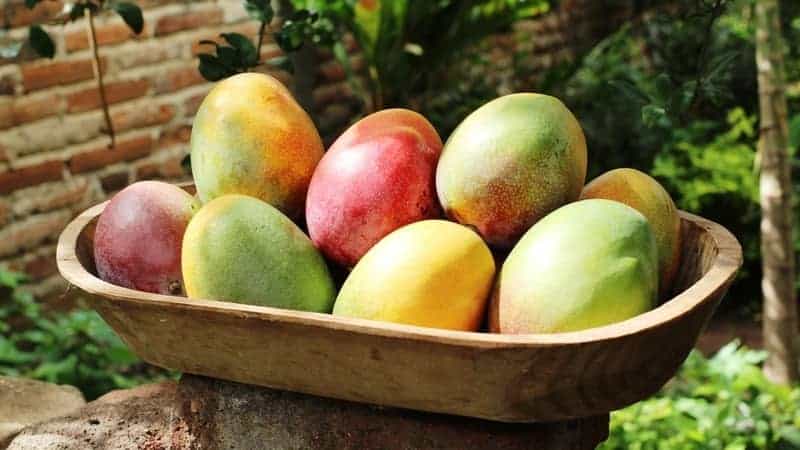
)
(76, 348)
(720, 403)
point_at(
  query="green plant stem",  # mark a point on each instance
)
(716, 11)
(98, 74)
(261, 30)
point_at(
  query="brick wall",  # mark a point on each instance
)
(54, 160)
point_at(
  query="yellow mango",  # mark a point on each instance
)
(431, 273)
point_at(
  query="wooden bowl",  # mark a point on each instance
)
(510, 378)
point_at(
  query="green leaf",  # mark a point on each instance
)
(31, 3)
(296, 30)
(41, 42)
(653, 115)
(77, 11)
(248, 54)
(229, 57)
(11, 279)
(211, 68)
(283, 63)
(131, 14)
(629, 90)
(790, 435)
(794, 132)
(260, 10)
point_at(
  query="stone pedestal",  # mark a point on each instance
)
(202, 413)
(25, 402)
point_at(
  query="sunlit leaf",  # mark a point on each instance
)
(41, 42)
(260, 10)
(211, 68)
(131, 14)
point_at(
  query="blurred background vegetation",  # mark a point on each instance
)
(671, 91)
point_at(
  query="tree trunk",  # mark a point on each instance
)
(780, 306)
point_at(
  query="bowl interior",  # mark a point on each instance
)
(698, 253)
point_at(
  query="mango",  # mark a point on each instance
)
(510, 163)
(431, 273)
(376, 177)
(646, 195)
(240, 249)
(586, 264)
(137, 242)
(251, 137)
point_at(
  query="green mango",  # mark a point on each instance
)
(586, 264)
(241, 249)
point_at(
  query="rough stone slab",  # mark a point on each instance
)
(202, 413)
(25, 402)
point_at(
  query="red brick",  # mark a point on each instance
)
(6, 113)
(32, 231)
(41, 266)
(192, 103)
(176, 136)
(25, 109)
(172, 167)
(39, 76)
(99, 158)
(110, 34)
(114, 181)
(327, 94)
(144, 53)
(88, 99)
(20, 15)
(185, 21)
(178, 79)
(168, 169)
(31, 109)
(7, 84)
(51, 196)
(332, 71)
(5, 212)
(148, 171)
(30, 176)
(140, 117)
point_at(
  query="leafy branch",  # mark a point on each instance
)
(239, 54)
(41, 42)
(680, 91)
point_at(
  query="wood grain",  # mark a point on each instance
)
(510, 378)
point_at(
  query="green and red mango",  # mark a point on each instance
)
(510, 163)
(376, 177)
(137, 242)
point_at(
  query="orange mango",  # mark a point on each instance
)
(251, 137)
